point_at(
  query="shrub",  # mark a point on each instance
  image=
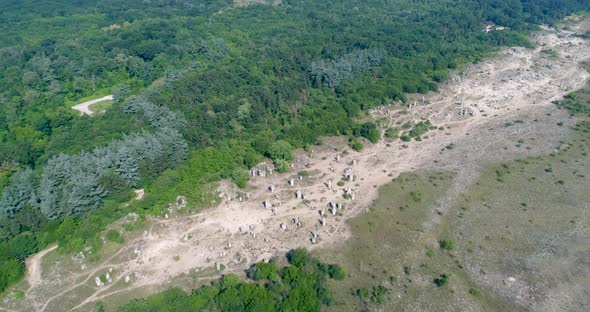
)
(240, 177)
(391, 133)
(442, 280)
(370, 131)
(416, 196)
(378, 294)
(336, 272)
(298, 257)
(282, 165)
(447, 244)
(356, 145)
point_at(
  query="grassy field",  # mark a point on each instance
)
(100, 106)
(515, 240)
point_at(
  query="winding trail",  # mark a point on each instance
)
(84, 108)
(34, 269)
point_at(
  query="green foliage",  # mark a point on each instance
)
(420, 129)
(378, 294)
(370, 131)
(336, 272)
(392, 133)
(280, 150)
(474, 292)
(208, 80)
(262, 271)
(240, 177)
(416, 196)
(577, 103)
(442, 280)
(10, 271)
(291, 288)
(355, 144)
(114, 236)
(447, 244)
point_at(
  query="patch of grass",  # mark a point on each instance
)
(420, 129)
(100, 106)
(383, 250)
(392, 133)
(114, 236)
(355, 144)
(551, 53)
(577, 103)
(474, 292)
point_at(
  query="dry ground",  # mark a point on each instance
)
(515, 87)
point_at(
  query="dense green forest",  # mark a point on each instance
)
(301, 286)
(204, 90)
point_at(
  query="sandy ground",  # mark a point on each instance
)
(84, 108)
(518, 83)
(33, 263)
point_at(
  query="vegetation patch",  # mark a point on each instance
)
(300, 286)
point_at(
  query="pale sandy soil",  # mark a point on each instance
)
(84, 108)
(518, 83)
(33, 277)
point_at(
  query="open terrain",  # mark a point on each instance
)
(93, 106)
(495, 111)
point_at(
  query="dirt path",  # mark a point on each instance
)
(34, 268)
(518, 84)
(84, 108)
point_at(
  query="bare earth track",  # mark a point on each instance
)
(517, 84)
(84, 108)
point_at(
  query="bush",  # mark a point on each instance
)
(240, 177)
(263, 270)
(356, 145)
(416, 196)
(114, 236)
(447, 244)
(298, 257)
(391, 133)
(280, 150)
(442, 280)
(282, 166)
(336, 272)
(370, 131)
(378, 294)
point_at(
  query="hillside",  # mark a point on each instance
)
(209, 91)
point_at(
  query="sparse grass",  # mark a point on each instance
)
(551, 53)
(100, 106)
(384, 251)
(114, 236)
